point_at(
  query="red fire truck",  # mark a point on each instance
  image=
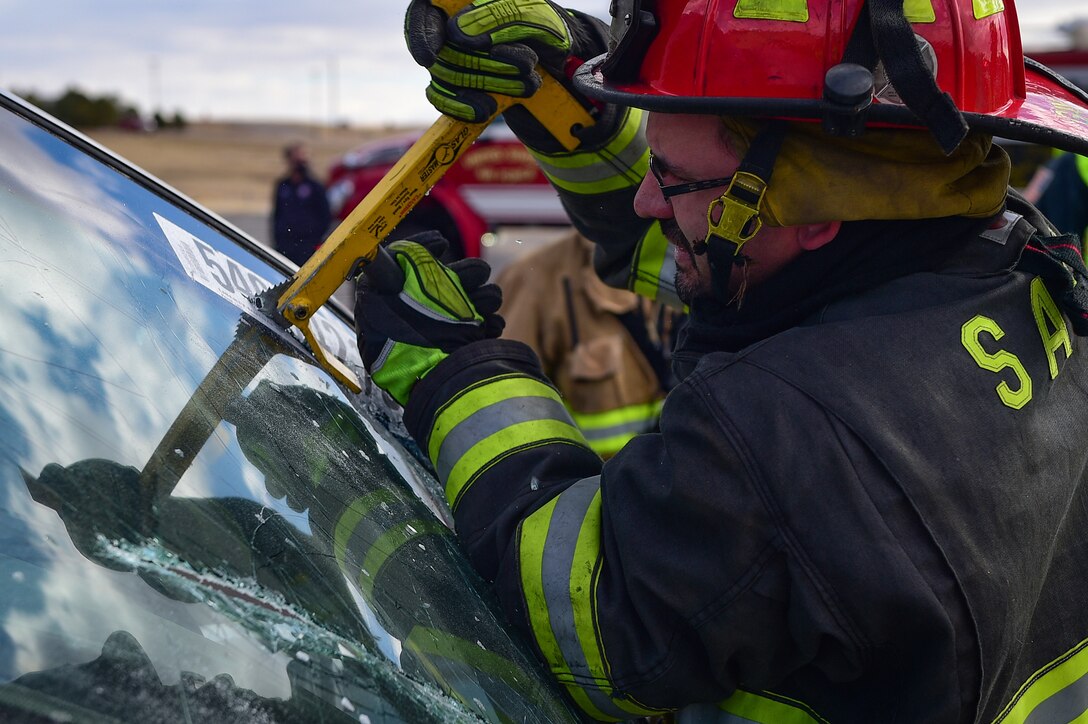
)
(494, 184)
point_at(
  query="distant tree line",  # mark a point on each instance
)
(78, 109)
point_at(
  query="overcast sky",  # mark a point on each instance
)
(306, 60)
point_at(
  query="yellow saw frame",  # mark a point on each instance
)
(355, 241)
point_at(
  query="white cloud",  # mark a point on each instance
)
(251, 59)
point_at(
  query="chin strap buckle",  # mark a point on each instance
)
(734, 216)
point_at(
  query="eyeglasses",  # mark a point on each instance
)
(670, 190)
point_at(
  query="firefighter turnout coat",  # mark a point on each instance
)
(605, 349)
(875, 514)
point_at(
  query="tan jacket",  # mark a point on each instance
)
(554, 301)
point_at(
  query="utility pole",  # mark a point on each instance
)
(334, 90)
(156, 85)
(315, 101)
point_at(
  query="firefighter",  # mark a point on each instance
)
(867, 500)
(1065, 198)
(607, 350)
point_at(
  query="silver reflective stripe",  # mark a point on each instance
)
(491, 419)
(609, 168)
(634, 427)
(1063, 706)
(563, 530)
(1058, 692)
(628, 162)
(383, 357)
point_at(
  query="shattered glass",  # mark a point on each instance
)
(196, 522)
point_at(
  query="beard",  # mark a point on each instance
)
(689, 278)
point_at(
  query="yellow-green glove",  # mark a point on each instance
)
(412, 311)
(491, 46)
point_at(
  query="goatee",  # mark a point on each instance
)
(686, 280)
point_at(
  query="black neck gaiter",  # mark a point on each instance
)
(864, 255)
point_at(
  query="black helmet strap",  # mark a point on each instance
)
(883, 34)
(733, 218)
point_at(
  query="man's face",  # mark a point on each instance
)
(297, 156)
(690, 148)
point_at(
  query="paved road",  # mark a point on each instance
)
(256, 225)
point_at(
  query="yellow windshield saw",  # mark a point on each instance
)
(351, 246)
(354, 243)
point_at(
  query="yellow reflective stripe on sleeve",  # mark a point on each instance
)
(919, 11)
(986, 8)
(653, 274)
(477, 397)
(559, 552)
(622, 417)
(607, 432)
(621, 163)
(532, 536)
(1055, 693)
(792, 10)
(767, 708)
(491, 420)
(496, 447)
(609, 446)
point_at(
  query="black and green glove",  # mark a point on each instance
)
(492, 46)
(412, 311)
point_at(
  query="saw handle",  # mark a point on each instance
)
(451, 7)
(357, 238)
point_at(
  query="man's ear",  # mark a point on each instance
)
(812, 236)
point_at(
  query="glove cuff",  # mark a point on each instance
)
(462, 369)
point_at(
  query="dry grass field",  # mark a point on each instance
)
(230, 167)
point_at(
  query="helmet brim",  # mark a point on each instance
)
(1054, 112)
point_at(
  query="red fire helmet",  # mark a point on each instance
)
(835, 60)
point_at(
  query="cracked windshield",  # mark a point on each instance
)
(195, 520)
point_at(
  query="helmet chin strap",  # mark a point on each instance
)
(733, 218)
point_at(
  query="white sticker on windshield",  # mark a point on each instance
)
(213, 269)
(238, 284)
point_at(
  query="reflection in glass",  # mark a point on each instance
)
(193, 515)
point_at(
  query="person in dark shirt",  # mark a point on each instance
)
(1065, 199)
(867, 497)
(301, 213)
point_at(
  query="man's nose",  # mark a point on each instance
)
(649, 202)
